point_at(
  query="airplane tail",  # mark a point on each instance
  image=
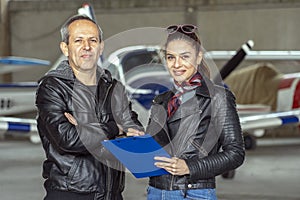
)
(88, 10)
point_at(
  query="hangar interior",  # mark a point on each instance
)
(30, 28)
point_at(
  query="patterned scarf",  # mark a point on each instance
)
(175, 102)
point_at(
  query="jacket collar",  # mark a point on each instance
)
(65, 71)
(206, 89)
(191, 106)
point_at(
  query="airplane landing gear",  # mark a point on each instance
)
(229, 175)
(35, 138)
(250, 142)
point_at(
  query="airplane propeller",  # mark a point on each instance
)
(236, 59)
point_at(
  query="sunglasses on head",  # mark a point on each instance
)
(185, 28)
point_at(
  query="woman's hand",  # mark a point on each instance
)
(173, 165)
(134, 132)
(71, 119)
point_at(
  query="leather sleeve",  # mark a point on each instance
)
(122, 110)
(52, 100)
(232, 152)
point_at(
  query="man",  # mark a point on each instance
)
(80, 105)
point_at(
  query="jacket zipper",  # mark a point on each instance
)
(172, 183)
(105, 98)
(108, 168)
(108, 182)
(173, 150)
(102, 106)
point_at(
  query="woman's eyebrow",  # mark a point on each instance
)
(171, 53)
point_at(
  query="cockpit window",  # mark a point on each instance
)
(135, 59)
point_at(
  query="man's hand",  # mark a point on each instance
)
(71, 119)
(134, 132)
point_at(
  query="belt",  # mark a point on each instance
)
(185, 186)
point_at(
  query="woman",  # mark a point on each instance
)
(197, 123)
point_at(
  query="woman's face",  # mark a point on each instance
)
(182, 60)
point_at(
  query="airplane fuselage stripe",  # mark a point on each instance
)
(289, 119)
(18, 85)
(269, 120)
(18, 127)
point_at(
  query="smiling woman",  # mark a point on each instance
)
(196, 122)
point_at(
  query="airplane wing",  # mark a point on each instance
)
(12, 63)
(269, 120)
(258, 55)
(17, 98)
(254, 126)
(19, 127)
(17, 124)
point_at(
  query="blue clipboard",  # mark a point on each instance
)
(137, 154)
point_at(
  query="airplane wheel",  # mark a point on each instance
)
(250, 142)
(35, 139)
(229, 175)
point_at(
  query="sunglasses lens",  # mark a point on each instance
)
(172, 29)
(188, 28)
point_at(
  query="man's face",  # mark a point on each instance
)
(84, 48)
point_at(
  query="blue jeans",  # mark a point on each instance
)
(195, 194)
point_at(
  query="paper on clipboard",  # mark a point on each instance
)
(137, 154)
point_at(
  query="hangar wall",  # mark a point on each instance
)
(223, 24)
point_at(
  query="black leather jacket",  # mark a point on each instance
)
(204, 131)
(75, 159)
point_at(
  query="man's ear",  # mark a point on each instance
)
(64, 48)
(101, 47)
(199, 57)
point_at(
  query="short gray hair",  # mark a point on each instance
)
(64, 31)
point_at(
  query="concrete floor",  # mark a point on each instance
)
(269, 172)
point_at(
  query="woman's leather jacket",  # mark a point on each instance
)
(205, 131)
(75, 159)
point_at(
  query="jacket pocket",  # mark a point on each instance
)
(72, 172)
(83, 175)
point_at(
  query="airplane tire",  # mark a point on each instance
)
(250, 142)
(229, 175)
(35, 139)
